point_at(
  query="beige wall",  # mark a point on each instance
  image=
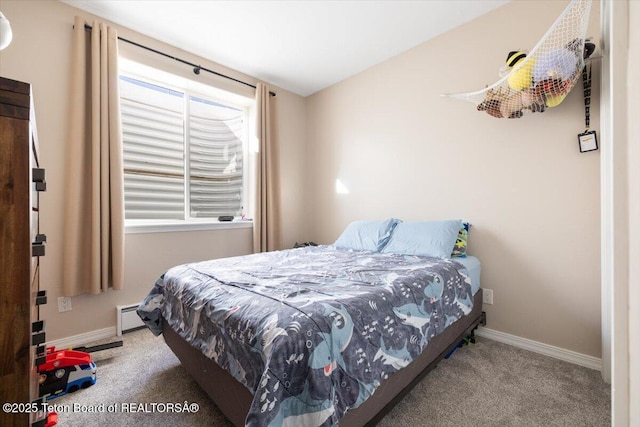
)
(403, 150)
(40, 54)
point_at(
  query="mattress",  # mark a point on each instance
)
(234, 400)
(472, 264)
(311, 332)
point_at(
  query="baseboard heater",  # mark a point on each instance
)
(127, 318)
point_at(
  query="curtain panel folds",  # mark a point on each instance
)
(266, 222)
(94, 203)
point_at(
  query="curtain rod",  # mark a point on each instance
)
(196, 69)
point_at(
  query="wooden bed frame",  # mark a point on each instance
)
(234, 399)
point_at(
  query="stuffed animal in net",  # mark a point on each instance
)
(511, 104)
(536, 83)
(555, 70)
(520, 95)
(520, 68)
(544, 76)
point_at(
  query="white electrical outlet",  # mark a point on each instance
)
(64, 304)
(487, 296)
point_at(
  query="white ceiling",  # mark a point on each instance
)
(300, 46)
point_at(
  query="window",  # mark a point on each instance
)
(184, 153)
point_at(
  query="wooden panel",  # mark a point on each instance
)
(15, 99)
(19, 280)
(14, 86)
(13, 111)
(15, 206)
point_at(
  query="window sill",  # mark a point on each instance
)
(170, 227)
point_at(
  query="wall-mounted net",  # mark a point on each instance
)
(542, 78)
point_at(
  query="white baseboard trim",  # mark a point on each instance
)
(538, 347)
(524, 343)
(83, 339)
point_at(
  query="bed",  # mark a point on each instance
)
(314, 336)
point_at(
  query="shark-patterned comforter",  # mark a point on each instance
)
(311, 332)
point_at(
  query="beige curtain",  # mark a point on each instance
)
(266, 221)
(94, 204)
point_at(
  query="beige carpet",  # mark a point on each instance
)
(483, 384)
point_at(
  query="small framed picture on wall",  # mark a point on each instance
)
(588, 141)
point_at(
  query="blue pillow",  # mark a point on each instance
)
(367, 235)
(424, 238)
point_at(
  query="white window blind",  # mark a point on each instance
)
(216, 158)
(169, 135)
